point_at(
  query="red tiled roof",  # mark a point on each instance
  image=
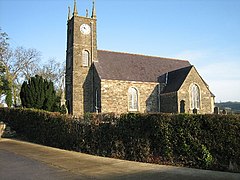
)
(133, 67)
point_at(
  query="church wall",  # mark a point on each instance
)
(88, 92)
(91, 86)
(96, 92)
(169, 102)
(114, 96)
(206, 99)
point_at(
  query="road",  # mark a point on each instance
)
(23, 160)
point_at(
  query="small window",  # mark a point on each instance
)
(97, 101)
(195, 97)
(85, 58)
(132, 99)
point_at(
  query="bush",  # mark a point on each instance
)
(39, 93)
(202, 141)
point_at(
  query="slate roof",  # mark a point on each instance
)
(175, 79)
(133, 67)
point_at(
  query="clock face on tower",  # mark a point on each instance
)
(85, 29)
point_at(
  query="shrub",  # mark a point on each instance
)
(202, 141)
(39, 93)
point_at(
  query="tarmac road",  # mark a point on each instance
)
(27, 161)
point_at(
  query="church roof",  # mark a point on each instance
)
(133, 67)
(175, 79)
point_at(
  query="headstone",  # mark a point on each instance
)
(195, 111)
(224, 112)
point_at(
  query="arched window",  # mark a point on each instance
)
(132, 99)
(85, 58)
(195, 97)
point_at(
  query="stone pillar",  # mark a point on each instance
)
(216, 110)
(2, 128)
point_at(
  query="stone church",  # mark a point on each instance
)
(107, 81)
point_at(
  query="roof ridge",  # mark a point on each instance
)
(136, 54)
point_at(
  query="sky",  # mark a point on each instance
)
(205, 32)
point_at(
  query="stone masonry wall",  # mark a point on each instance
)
(79, 100)
(92, 86)
(114, 96)
(206, 99)
(169, 103)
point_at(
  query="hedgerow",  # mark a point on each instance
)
(201, 141)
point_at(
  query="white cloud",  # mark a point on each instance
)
(193, 56)
(223, 79)
(220, 69)
(226, 90)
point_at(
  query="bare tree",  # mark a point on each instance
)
(4, 45)
(55, 72)
(26, 62)
(18, 64)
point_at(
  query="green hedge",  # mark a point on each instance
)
(201, 141)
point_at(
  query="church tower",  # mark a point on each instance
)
(81, 53)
